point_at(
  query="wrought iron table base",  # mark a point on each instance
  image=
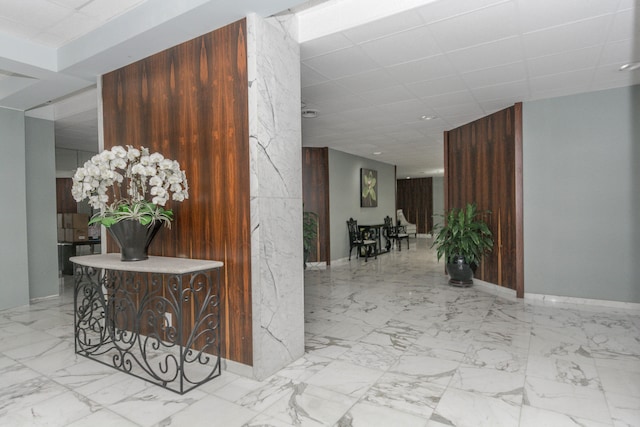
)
(163, 328)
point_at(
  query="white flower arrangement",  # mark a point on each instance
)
(143, 175)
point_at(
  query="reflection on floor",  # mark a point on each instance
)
(388, 344)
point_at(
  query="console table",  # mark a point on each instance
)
(157, 319)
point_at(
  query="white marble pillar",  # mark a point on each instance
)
(273, 57)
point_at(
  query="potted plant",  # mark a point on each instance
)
(463, 239)
(130, 187)
(309, 233)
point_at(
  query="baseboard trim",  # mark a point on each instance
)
(554, 299)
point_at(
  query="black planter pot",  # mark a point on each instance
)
(460, 273)
(134, 238)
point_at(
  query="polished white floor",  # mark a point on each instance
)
(389, 343)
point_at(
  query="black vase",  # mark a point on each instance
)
(460, 273)
(134, 238)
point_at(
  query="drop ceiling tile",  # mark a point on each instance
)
(324, 45)
(564, 38)
(610, 77)
(411, 109)
(42, 12)
(440, 10)
(482, 26)
(365, 82)
(576, 80)
(620, 53)
(517, 90)
(387, 95)
(402, 47)
(342, 63)
(310, 77)
(384, 27)
(566, 61)
(496, 75)
(624, 25)
(336, 105)
(108, 9)
(322, 92)
(435, 87)
(538, 14)
(449, 99)
(73, 26)
(423, 69)
(18, 29)
(487, 55)
(69, 4)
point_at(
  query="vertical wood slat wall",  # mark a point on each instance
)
(190, 103)
(65, 202)
(481, 167)
(415, 198)
(315, 196)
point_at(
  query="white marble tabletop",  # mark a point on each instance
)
(155, 264)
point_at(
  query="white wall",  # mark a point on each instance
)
(581, 173)
(344, 197)
(14, 277)
(41, 208)
(438, 200)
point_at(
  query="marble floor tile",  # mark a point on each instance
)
(153, 405)
(103, 418)
(507, 386)
(311, 406)
(388, 343)
(346, 378)
(405, 393)
(625, 409)
(431, 369)
(536, 417)
(579, 371)
(582, 402)
(210, 411)
(462, 408)
(620, 381)
(368, 415)
(60, 410)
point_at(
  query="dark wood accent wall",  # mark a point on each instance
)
(315, 196)
(481, 167)
(415, 198)
(190, 103)
(65, 202)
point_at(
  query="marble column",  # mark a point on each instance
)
(273, 57)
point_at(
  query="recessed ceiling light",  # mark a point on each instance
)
(408, 177)
(428, 117)
(632, 66)
(309, 113)
(377, 153)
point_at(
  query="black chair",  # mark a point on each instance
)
(395, 233)
(357, 240)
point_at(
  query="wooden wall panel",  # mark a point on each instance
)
(415, 198)
(315, 196)
(65, 202)
(480, 160)
(190, 103)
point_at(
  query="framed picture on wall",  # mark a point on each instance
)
(368, 188)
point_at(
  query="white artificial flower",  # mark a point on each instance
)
(138, 169)
(132, 153)
(155, 181)
(156, 158)
(119, 152)
(120, 175)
